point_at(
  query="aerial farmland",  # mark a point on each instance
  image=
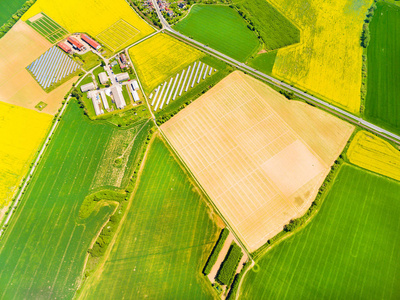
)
(168, 149)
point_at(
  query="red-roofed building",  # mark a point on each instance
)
(64, 47)
(90, 41)
(75, 43)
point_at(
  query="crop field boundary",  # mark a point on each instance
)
(114, 43)
(99, 266)
(206, 195)
(40, 154)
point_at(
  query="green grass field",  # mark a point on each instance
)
(264, 62)
(383, 89)
(8, 8)
(43, 250)
(348, 251)
(275, 30)
(165, 239)
(221, 28)
(48, 28)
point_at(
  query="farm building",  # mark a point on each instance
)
(135, 95)
(75, 43)
(64, 47)
(122, 61)
(88, 87)
(113, 63)
(118, 97)
(103, 78)
(92, 43)
(135, 84)
(122, 77)
(104, 99)
(96, 102)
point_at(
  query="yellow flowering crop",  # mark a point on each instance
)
(21, 132)
(327, 62)
(374, 154)
(159, 57)
(91, 16)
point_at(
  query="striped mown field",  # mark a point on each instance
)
(375, 154)
(43, 250)
(222, 28)
(163, 245)
(348, 251)
(8, 8)
(382, 105)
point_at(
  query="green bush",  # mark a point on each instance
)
(215, 252)
(15, 17)
(235, 285)
(90, 202)
(229, 265)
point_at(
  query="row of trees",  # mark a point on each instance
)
(215, 252)
(229, 266)
(15, 17)
(365, 34)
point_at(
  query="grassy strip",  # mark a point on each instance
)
(215, 251)
(88, 60)
(15, 17)
(105, 236)
(229, 265)
(90, 202)
(236, 282)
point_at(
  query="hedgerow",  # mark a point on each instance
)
(15, 17)
(235, 285)
(229, 265)
(106, 234)
(215, 252)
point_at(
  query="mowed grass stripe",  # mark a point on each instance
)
(164, 241)
(347, 251)
(222, 28)
(383, 88)
(45, 246)
(47, 236)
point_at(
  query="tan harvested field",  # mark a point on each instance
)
(260, 157)
(18, 48)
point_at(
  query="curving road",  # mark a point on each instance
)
(303, 95)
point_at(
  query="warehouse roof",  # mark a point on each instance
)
(118, 97)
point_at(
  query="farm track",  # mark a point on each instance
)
(280, 84)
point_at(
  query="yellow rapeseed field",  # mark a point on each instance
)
(160, 57)
(374, 154)
(327, 62)
(91, 16)
(21, 132)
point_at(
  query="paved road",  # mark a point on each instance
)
(312, 99)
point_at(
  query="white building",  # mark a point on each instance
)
(135, 95)
(104, 99)
(135, 84)
(119, 100)
(122, 76)
(88, 87)
(103, 78)
(96, 102)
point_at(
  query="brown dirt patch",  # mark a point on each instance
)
(18, 48)
(260, 157)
